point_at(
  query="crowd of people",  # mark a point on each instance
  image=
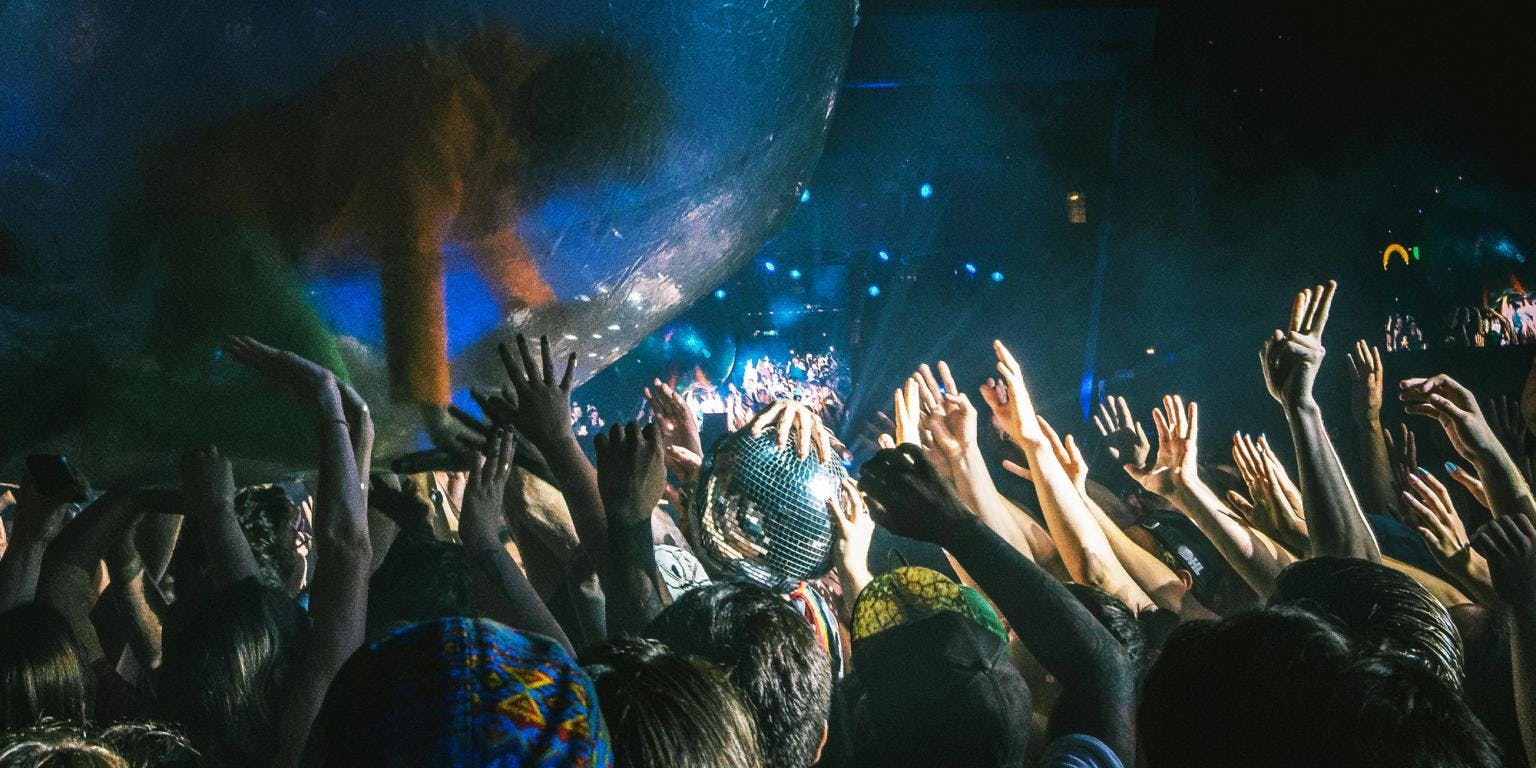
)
(1506, 319)
(1161, 606)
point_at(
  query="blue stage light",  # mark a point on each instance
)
(970, 268)
(805, 195)
(794, 274)
(874, 290)
(720, 293)
(884, 256)
(997, 277)
(770, 266)
(925, 191)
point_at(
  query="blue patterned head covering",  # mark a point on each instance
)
(463, 692)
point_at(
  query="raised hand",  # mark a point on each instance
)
(855, 530)
(1445, 400)
(482, 524)
(908, 419)
(1434, 516)
(1067, 453)
(1291, 358)
(1177, 434)
(950, 419)
(39, 516)
(786, 416)
(1504, 419)
(1468, 481)
(631, 474)
(674, 418)
(1124, 439)
(303, 377)
(1366, 374)
(1010, 402)
(913, 500)
(542, 403)
(1275, 508)
(1509, 545)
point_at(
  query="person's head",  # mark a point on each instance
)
(462, 691)
(1243, 691)
(1174, 539)
(1388, 710)
(54, 743)
(936, 685)
(768, 651)
(669, 711)
(420, 579)
(1139, 634)
(1377, 607)
(1284, 687)
(225, 655)
(270, 522)
(41, 675)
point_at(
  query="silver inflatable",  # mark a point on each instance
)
(389, 186)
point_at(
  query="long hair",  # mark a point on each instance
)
(40, 671)
(226, 654)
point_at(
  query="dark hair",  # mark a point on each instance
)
(1390, 711)
(1116, 617)
(1243, 691)
(267, 518)
(226, 654)
(420, 579)
(768, 651)
(122, 745)
(41, 674)
(665, 710)
(1379, 608)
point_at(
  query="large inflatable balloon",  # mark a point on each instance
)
(389, 187)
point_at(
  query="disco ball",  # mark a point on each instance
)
(765, 511)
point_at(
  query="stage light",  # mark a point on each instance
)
(997, 277)
(925, 191)
(884, 256)
(874, 290)
(970, 268)
(1151, 351)
(770, 266)
(720, 293)
(794, 274)
(805, 195)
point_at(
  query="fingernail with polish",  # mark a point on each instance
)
(1451, 467)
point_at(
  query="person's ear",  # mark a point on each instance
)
(1186, 578)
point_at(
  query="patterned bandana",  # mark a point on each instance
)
(460, 691)
(911, 593)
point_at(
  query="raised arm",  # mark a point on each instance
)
(542, 414)
(1433, 515)
(1175, 476)
(1509, 544)
(1059, 498)
(950, 422)
(501, 588)
(69, 570)
(1101, 565)
(39, 519)
(339, 594)
(1366, 375)
(208, 487)
(1157, 583)
(631, 476)
(1291, 360)
(1452, 405)
(1097, 683)
(855, 530)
